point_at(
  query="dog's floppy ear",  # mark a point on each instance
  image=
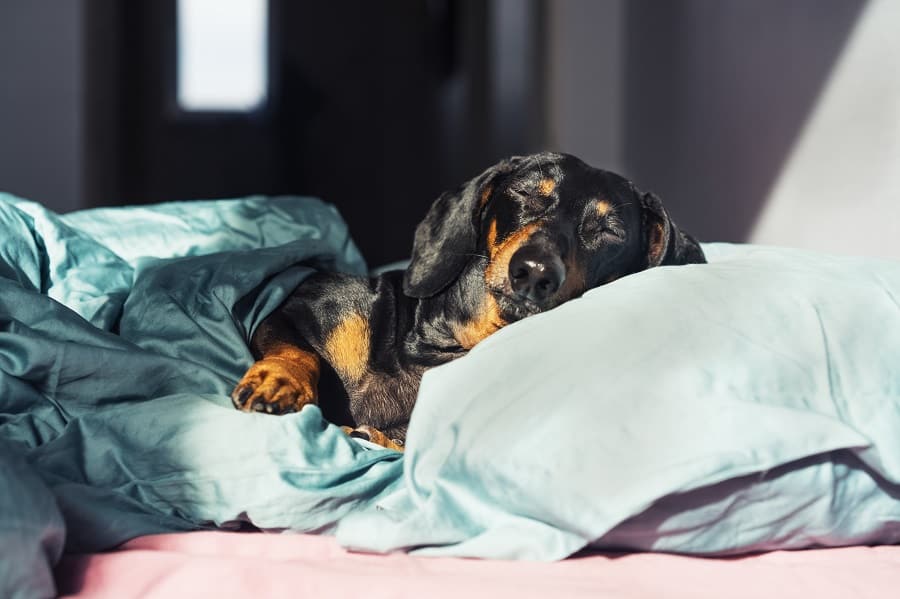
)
(664, 242)
(448, 236)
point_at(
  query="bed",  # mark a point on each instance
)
(226, 565)
(729, 426)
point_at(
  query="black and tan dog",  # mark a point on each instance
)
(524, 236)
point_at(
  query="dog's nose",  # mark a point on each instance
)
(535, 275)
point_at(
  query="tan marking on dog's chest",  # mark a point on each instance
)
(347, 347)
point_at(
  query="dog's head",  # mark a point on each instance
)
(540, 230)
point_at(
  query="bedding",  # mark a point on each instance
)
(115, 372)
(752, 403)
(748, 404)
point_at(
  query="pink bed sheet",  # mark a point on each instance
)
(256, 565)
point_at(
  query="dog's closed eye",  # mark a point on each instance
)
(601, 225)
(530, 200)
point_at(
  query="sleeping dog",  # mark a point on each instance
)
(522, 237)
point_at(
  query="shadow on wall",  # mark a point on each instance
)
(840, 189)
(716, 94)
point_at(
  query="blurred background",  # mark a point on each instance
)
(769, 121)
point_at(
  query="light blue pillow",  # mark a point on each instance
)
(749, 403)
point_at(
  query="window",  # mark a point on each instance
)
(222, 55)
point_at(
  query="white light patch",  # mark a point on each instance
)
(222, 54)
(840, 189)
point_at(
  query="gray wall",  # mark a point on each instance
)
(700, 101)
(585, 62)
(41, 101)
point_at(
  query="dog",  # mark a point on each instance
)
(524, 236)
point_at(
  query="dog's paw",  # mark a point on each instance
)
(370, 433)
(274, 387)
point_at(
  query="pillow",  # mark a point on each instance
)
(752, 402)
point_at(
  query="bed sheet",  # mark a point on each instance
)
(225, 565)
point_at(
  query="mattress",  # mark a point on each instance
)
(225, 565)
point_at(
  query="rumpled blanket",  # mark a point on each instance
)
(122, 332)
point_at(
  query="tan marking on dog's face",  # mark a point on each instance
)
(575, 282)
(603, 207)
(486, 322)
(492, 236)
(546, 186)
(495, 275)
(485, 195)
(656, 241)
(347, 347)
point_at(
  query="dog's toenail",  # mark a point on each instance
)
(240, 396)
(358, 434)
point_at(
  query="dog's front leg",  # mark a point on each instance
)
(284, 380)
(370, 433)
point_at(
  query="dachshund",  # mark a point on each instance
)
(524, 236)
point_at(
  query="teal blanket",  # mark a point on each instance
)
(122, 332)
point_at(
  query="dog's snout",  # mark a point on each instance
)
(536, 275)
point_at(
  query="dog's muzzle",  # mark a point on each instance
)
(536, 274)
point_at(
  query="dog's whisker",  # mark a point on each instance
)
(476, 255)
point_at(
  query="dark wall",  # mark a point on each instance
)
(375, 107)
(358, 121)
(41, 130)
